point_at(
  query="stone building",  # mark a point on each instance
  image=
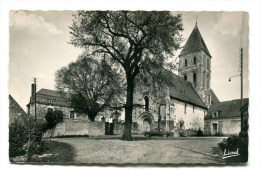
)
(45, 99)
(224, 118)
(186, 98)
(56, 100)
(195, 65)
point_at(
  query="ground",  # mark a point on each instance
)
(59, 153)
(112, 150)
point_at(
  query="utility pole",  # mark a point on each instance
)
(241, 85)
(35, 115)
(241, 55)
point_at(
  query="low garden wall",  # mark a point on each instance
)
(77, 128)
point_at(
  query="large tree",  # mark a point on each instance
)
(94, 85)
(134, 39)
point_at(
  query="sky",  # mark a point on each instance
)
(39, 47)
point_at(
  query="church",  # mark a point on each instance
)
(184, 103)
(188, 95)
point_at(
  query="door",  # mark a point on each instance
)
(214, 128)
(146, 125)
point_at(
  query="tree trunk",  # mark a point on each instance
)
(128, 110)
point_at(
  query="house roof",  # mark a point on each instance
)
(53, 93)
(44, 96)
(214, 98)
(14, 107)
(195, 43)
(226, 109)
(183, 90)
(15, 110)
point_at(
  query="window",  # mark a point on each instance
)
(203, 78)
(194, 78)
(146, 100)
(208, 63)
(209, 99)
(185, 77)
(215, 114)
(185, 63)
(194, 60)
(214, 128)
(207, 81)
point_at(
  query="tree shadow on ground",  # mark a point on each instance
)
(59, 153)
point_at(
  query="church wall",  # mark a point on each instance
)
(153, 105)
(192, 119)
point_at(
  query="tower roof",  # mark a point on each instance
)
(195, 43)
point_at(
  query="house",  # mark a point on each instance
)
(187, 97)
(46, 99)
(16, 112)
(56, 100)
(224, 118)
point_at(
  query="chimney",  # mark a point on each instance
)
(33, 90)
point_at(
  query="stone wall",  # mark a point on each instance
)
(72, 127)
(225, 126)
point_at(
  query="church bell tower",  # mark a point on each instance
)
(195, 65)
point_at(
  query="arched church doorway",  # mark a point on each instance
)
(146, 125)
(145, 122)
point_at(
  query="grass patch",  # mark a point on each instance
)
(59, 153)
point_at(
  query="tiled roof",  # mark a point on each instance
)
(214, 98)
(14, 107)
(195, 43)
(227, 108)
(53, 93)
(15, 111)
(183, 90)
(51, 97)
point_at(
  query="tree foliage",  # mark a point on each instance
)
(94, 85)
(53, 118)
(136, 40)
(19, 134)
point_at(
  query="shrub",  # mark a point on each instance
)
(18, 136)
(20, 131)
(53, 118)
(231, 143)
(199, 132)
